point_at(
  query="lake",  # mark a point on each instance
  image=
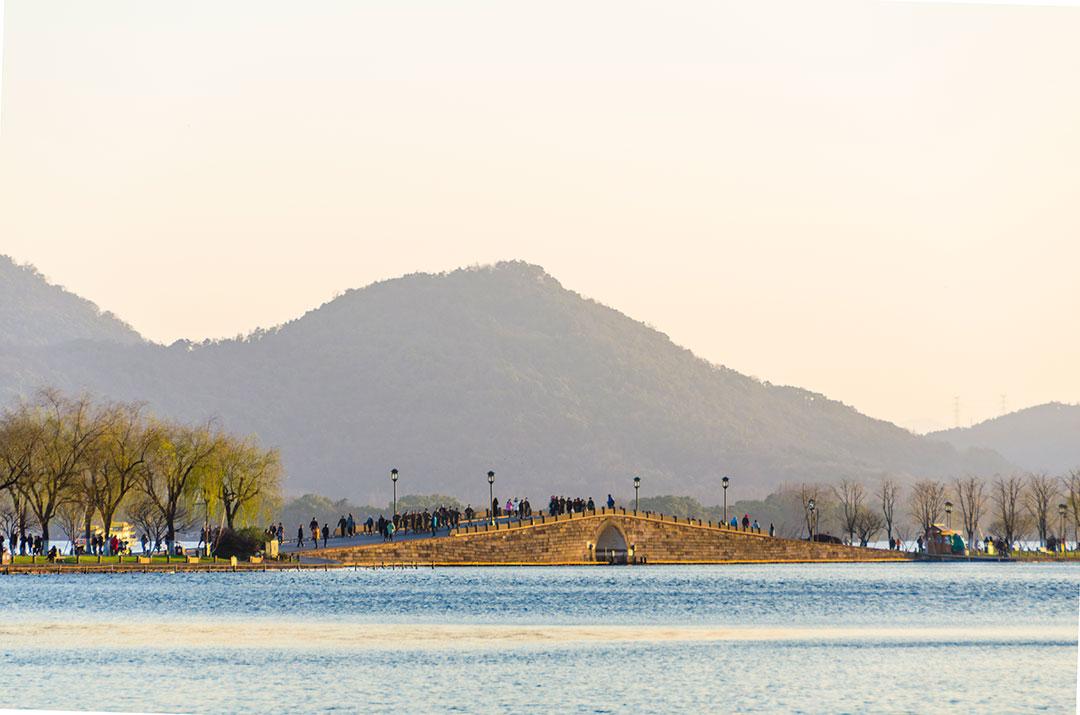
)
(992, 637)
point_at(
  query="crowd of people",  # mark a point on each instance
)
(520, 508)
(98, 545)
(558, 505)
(427, 521)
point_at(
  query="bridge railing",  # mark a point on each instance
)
(479, 526)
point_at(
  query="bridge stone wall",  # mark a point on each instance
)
(571, 540)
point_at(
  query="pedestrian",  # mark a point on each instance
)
(610, 502)
(772, 529)
(325, 534)
(745, 522)
(300, 537)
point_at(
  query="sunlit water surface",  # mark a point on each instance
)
(770, 638)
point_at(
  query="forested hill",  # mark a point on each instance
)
(447, 376)
(35, 312)
(1044, 438)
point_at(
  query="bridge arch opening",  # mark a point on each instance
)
(611, 545)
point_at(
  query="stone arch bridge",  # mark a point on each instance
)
(601, 536)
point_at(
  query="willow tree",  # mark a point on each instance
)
(70, 428)
(171, 474)
(248, 477)
(20, 440)
(118, 459)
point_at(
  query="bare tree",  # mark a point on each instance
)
(927, 503)
(1007, 497)
(868, 522)
(970, 495)
(9, 524)
(850, 494)
(17, 530)
(146, 515)
(1041, 493)
(889, 493)
(1072, 500)
(71, 514)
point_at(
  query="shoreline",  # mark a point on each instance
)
(267, 566)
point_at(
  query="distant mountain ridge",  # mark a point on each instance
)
(35, 312)
(1043, 438)
(446, 376)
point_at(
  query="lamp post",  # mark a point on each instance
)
(1061, 512)
(393, 478)
(491, 496)
(724, 482)
(948, 515)
(811, 505)
(637, 485)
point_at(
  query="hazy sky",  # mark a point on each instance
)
(878, 201)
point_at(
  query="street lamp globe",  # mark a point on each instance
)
(393, 475)
(491, 477)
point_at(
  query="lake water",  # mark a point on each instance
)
(770, 638)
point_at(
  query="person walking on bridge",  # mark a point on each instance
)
(300, 537)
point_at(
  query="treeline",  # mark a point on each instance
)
(74, 461)
(1009, 509)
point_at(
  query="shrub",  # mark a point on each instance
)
(241, 543)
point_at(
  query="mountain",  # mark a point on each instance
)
(446, 376)
(35, 312)
(1044, 438)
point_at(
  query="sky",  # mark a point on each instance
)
(879, 201)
